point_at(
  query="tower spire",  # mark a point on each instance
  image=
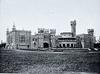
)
(14, 28)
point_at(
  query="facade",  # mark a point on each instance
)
(66, 41)
(47, 38)
(87, 40)
(18, 39)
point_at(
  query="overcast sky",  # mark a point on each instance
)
(57, 14)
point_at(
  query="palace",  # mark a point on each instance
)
(47, 38)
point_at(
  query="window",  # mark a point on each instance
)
(33, 39)
(27, 46)
(60, 45)
(75, 45)
(67, 45)
(72, 45)
(64, 45)
(34, 44)
(22, 38)
(11, 39)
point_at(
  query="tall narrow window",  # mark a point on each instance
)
(64, 45)
(71, 45)
(34, 44)
(68, 45)
(60, 45)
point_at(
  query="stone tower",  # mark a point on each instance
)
(73, 28)
(91, 32)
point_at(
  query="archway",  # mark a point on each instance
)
(60, 46)
(45, 45)
(68, 45)
(64, 45)
(72, 46)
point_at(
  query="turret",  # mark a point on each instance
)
(91, 32)
(53, 31)
(73, 28)
(14, 28)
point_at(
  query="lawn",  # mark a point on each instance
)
(12, 61)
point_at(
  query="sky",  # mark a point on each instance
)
(54, 14)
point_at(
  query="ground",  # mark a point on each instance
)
(22, 61)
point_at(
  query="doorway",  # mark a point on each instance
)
(45, 45)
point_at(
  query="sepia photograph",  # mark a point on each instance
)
(49, 37)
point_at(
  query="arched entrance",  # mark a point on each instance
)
(72, 46)
(45, 45)
(64, 45)
(67, 45)
(60, 45)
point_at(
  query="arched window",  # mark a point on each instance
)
(64, 45)
(60, 45)
(34, 44)
(27, 46)
(72, 46)
(33, 39)
(68, 45)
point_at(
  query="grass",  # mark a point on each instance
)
(30, 61)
